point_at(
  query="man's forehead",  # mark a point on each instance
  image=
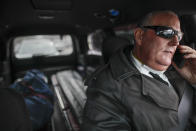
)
(166, 19)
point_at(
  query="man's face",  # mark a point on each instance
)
(155, 51)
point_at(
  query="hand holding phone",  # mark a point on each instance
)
(188, 70)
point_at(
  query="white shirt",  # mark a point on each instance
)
(144, 69)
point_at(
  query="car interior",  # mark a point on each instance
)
(70, 39)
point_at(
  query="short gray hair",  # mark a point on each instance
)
(147, 19)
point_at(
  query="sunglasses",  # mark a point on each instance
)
(165, 32)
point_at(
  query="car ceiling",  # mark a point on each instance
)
(50, 16)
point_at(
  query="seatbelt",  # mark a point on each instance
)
(184, 109)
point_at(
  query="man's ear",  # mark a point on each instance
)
(138, 34)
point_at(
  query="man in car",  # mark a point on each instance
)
(139, 90)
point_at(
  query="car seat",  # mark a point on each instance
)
(111, 45)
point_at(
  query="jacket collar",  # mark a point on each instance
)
(178, 82)
(126, 69)
(163, 96)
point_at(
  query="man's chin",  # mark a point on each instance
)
(165, 61)
(162, 68)
(163, 65)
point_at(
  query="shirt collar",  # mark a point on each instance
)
(144, 69)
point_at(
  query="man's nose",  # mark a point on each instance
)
(174, 41)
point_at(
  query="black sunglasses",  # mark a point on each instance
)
(165, 32)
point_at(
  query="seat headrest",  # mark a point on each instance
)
(111, 45)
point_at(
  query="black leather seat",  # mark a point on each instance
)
(13, 111)
(112, 44)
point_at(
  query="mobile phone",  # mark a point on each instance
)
(178, 58)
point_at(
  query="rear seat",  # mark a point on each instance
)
(70, 91)
(72, 85)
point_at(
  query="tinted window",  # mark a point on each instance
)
(95, 40)
(42, 45)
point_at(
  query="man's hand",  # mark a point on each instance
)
(188, 71)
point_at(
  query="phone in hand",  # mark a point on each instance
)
(178, 58)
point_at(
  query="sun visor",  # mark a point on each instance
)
(52, 4)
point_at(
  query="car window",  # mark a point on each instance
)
(42, 45)
(95, 40)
